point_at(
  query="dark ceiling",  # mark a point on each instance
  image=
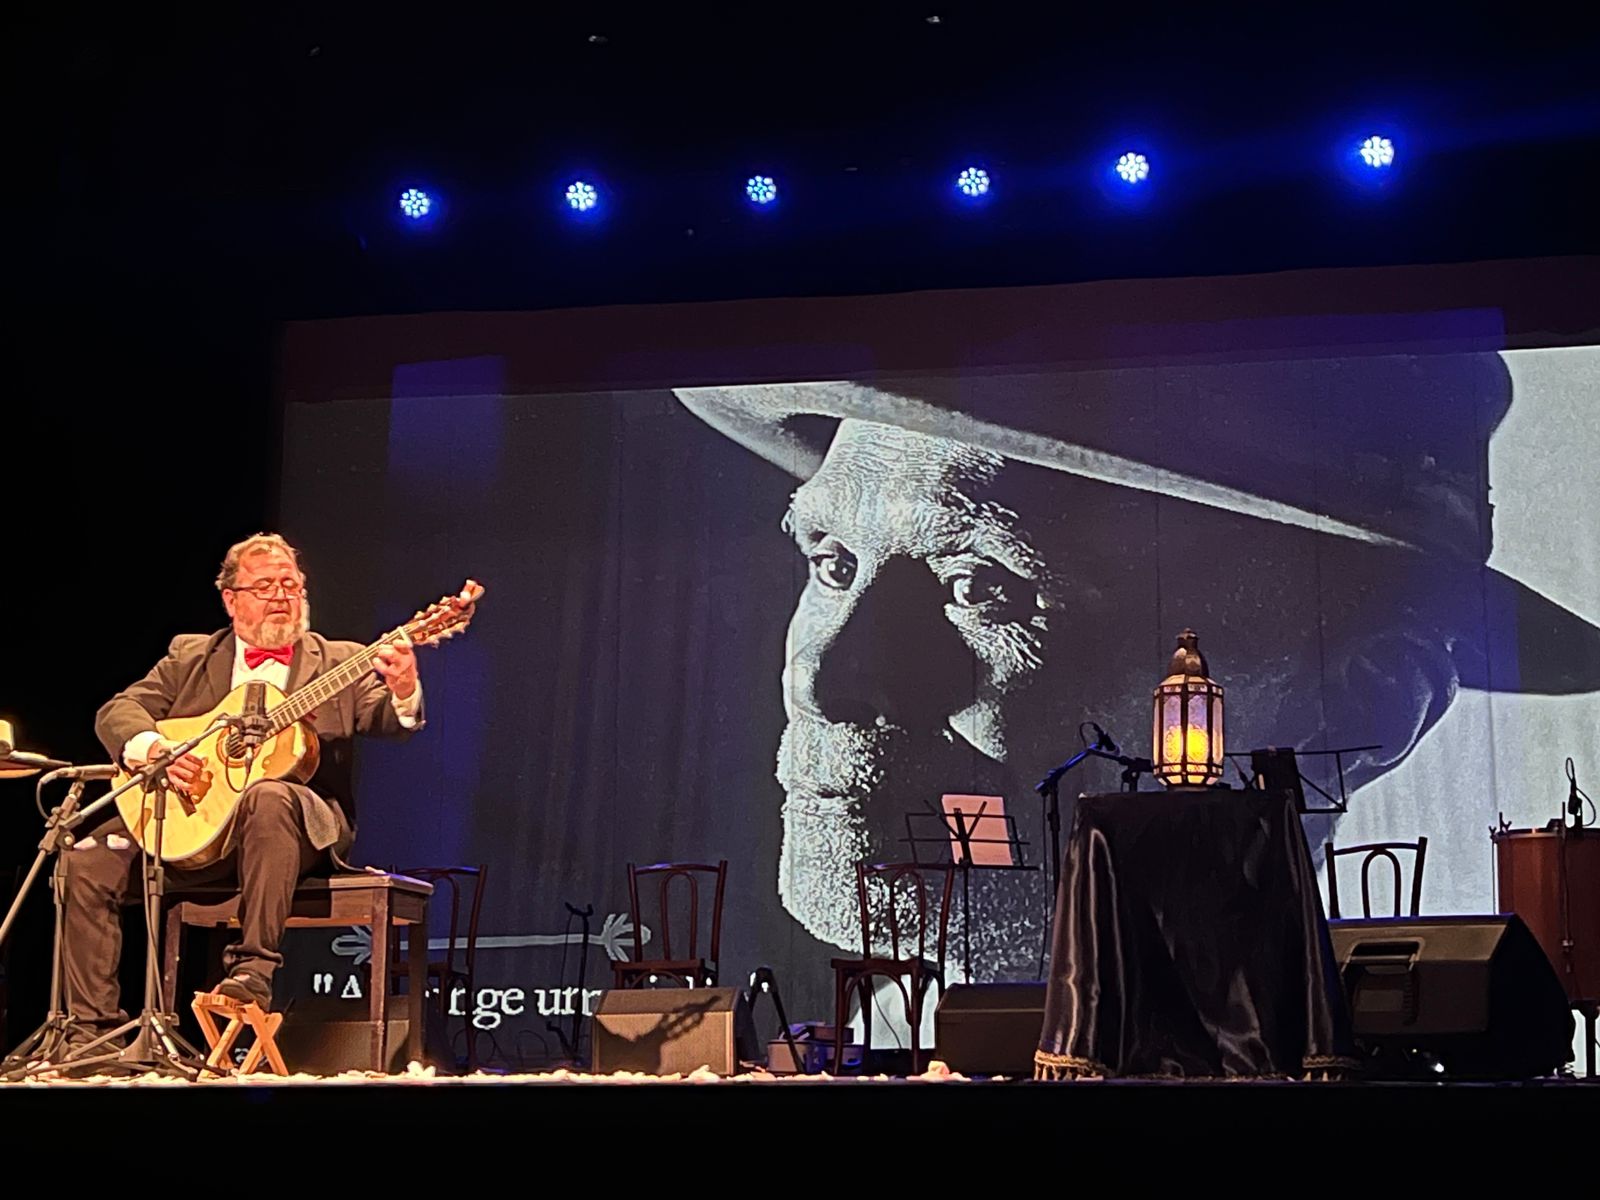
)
(253, 156)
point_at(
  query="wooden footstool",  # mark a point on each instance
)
(222, 1019)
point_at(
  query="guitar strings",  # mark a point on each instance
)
(325, 687)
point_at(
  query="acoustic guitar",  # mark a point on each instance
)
(194, 831)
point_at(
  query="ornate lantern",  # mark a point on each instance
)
(1187, 714)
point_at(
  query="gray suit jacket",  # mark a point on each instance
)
(198, 672)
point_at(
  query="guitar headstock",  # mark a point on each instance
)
(446, 617)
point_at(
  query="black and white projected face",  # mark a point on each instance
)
(927, 609)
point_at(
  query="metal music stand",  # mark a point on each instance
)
(959, 834)
(156, 1045)
(1276, 769)
(571, 1040)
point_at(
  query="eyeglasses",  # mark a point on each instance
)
(262, 589)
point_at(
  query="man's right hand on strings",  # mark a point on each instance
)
(183, 772)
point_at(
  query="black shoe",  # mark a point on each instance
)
(246, 989)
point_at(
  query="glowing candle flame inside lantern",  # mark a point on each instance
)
(1173, 747)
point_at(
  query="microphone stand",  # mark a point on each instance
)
(156, 1046)
(45, 1042)
(1050, 789)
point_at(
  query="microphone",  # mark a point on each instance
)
(1574, 804)
(10, 756)
(1103, 740)
(23, 758)
(99, 771)
(250, 727)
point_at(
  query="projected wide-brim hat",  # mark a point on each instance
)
(1386, 452)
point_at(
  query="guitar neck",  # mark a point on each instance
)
(328, 685)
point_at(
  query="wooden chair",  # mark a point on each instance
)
(694, 969)
(375, 900)
(1374, 851)
(445, 975)
(905, 889)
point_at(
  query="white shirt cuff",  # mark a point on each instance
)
(137, 748)
(409, 708)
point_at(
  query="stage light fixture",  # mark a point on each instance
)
(761, 189)
(973, 181)
(581, 196)
(415, 203)
(1377, 152)
(1133, 168)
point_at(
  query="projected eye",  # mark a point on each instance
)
(990, 588)
(970, 592)
(833, 566)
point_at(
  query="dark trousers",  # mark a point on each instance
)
(270, 853)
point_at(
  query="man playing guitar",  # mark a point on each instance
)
(282, 830)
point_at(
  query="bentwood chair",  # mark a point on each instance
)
(459, 967)
(1373, 851)
(678, 926)
(895, 917)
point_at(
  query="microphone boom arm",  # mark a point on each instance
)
(1132, 768)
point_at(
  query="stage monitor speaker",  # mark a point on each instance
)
(670, 1031)
(1468, 997)
(989, 1028)
(332, 1047)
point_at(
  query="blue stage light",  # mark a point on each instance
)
(761, 189)
(582, 196)
(1133, 168)
(974, 181)
(415, 203)
(1377, 152)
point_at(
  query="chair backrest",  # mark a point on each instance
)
(1372, 852)
(455, 880)
(679, 923)
(896, 895)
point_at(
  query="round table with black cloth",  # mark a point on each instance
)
(1189, 942)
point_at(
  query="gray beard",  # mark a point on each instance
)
(816, 868)
(293, 631)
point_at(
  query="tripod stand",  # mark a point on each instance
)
(1049, 789)
(44, 1044)
(156, 1044)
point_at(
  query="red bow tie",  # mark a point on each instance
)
(254, 656)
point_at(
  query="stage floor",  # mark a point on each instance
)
(642, 1110)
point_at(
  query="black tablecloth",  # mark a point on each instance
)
(1189, 941)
